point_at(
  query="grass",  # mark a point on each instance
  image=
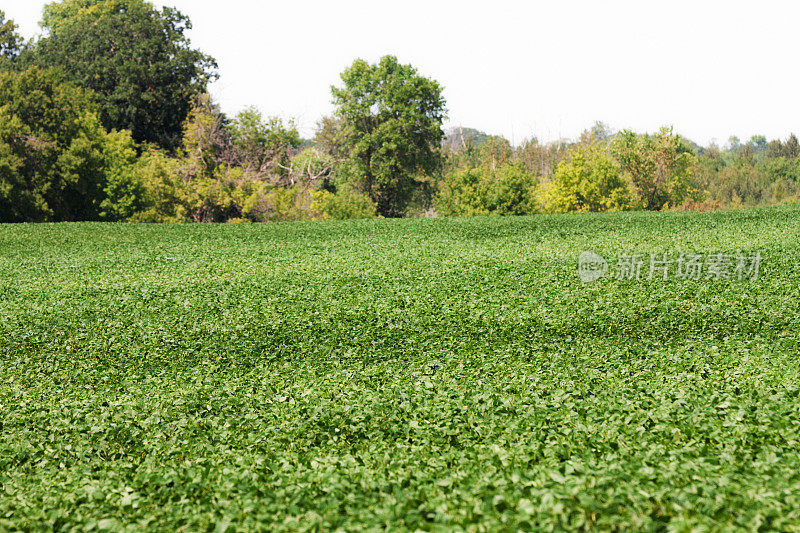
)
(415, 374)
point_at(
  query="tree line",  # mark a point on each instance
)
(614, 171)
(106, 116)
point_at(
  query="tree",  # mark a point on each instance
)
(480, 190)
(513, 191)
(124, 189)
(661, 166)
(495, 151)
(329, 136)
(600, 132)
(460, 137)
(136, 59)
(10, 41)
(463, 192)
(54, 153)
(392, 124)
(791, 149)
(758, 143)
(206, 140)
(263, 147)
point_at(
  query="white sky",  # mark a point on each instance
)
(550, 69)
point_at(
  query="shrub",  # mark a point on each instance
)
(508, 190)
(342, 205)
(589, 181)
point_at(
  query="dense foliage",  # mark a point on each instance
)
(55, 156)
(127, 132)
(391, 119)
(135, 58)
(431, 375)
(589, 181)
(659, 166)
(10, 41)
(605, 171)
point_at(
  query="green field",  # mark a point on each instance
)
(412, 374)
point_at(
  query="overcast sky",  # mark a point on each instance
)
(521, 69)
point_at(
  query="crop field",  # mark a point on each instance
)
(435, 375)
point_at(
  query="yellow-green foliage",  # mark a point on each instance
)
(589, 181)
(162, 188)
(462, 193)
(56, 14)
(124, 190)
(343, 205)
(278, 204)
(216, 198)
(661, 167)
(507, 190)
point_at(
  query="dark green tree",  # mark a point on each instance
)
(392, 126)
(54, 153)
(136, 59)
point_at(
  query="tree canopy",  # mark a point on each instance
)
(392, 125)
(589, 181)
(106, 117)
(54, 153)
(136, 59)
(660, 166)
(10, 40)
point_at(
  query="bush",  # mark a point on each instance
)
(462, 193)
(589, 181)
(162, 188)
(508, 190)
(513, 191)
(343, 205)
(124, 190)
(54, 153)
(278, 204)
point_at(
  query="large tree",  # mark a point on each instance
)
(136, 59)
(392, 126)
(10, 41)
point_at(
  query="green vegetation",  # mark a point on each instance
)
(55, 157)
(403, 374)
(135, 59)
(607, 171)
(352, 373)
(10, 41)
(589, 181)
(659, 166)
(391, 121)
(153, 146)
